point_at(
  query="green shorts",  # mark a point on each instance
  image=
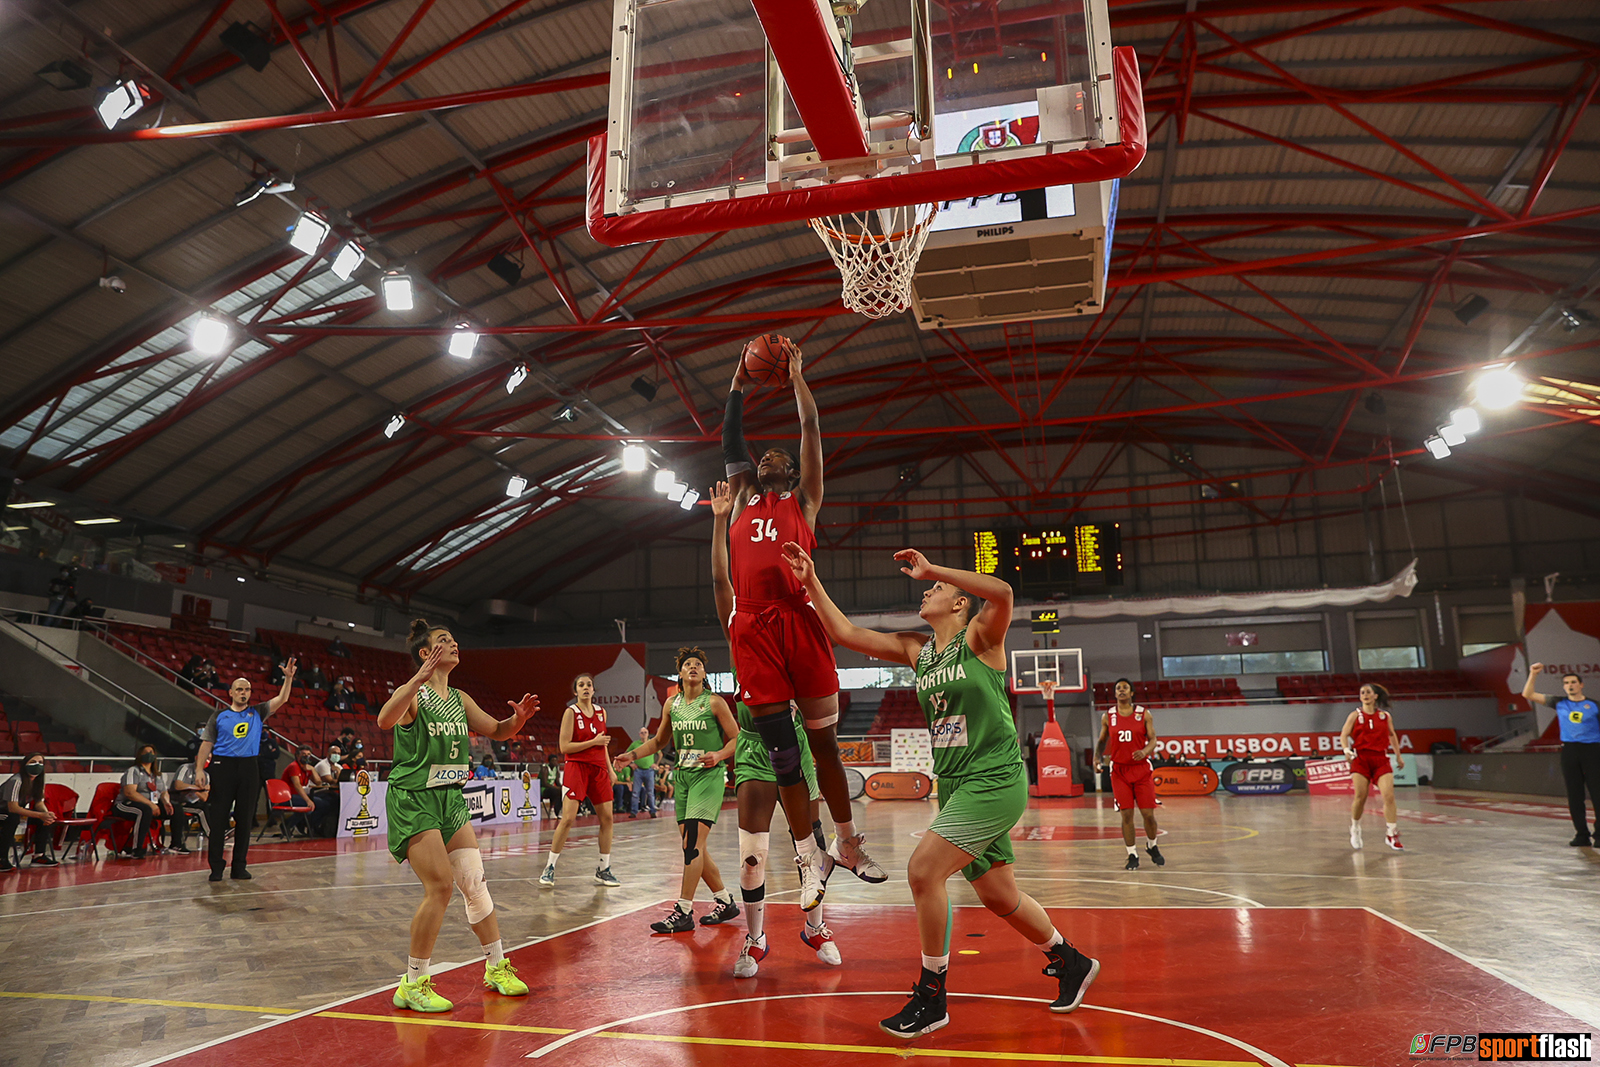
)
(976, 815)
(415, 811)
(752, 764)
(697, 792)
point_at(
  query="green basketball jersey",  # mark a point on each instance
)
(695, 730)
(964, 701)
(432, 751)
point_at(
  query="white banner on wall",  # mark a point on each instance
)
(620, 690)
(491, 802)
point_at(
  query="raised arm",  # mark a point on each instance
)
(401, 707)
(721, 583)
(986, 632)
(1527, 688)
(810, 440)
(283, 691)
(483, 724)
(902, 647)
(735, 453)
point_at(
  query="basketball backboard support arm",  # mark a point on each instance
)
(933, 185)
(805, 42)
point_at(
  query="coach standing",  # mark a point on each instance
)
(231, 739)
(1580, 746)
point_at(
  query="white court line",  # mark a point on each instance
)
(280, 1020)
(1480, 965)
(1152, 884)
(1265, 1057)
(1369, 878)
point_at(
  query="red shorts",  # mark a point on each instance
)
(1371, 765)
(1133, 785)
(781, 653)
(587, 781)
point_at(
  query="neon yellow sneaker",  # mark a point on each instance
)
(502, 978)
(419, 996)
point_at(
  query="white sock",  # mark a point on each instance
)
(1132, 851)
(755, 918)
(554, 855)
(814, 918)
(1394, 827)
(1055, 939)
(416, 968)
(845, 829)
(1149, 842)
(495, 952)
(685, 905)
(936, 964)
(805, 846)
(605, 860)
(725, 895)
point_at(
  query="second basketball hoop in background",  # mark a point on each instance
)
(876, 253)
(766, 359)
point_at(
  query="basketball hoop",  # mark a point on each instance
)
(1048, 691)
(876, 253)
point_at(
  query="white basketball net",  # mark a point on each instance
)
(876, 253)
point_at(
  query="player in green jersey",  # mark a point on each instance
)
(755, 784)
(983, 784)
(694, 718)
(428, 821)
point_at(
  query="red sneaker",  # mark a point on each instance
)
(1393, 841)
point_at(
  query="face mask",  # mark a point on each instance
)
(147, 757)
(33, 768)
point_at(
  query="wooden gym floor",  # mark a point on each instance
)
(1265, 940)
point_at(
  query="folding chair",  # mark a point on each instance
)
(281, 798)
(63, 804)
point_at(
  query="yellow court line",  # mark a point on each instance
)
(154, 1003)
(424, 1020)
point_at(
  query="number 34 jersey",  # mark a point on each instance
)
(755, 548)
(432, 751)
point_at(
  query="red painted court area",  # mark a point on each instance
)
(1195, 987)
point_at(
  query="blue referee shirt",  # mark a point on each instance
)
(1580, 720)
(235, 733)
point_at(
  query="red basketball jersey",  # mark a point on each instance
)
(755, 547)
(1125, 735)
(1371, 732)
(587, 728)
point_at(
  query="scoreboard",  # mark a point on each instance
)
(1052, 561)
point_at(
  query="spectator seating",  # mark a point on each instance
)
(1402, 685)
(63, 804)
(899, 711)
(1175, 693)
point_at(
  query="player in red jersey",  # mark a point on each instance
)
(1127, 738)
(780, 650)
(1367, 736)
(586, 775)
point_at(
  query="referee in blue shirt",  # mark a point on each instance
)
(1580, 746)
(231, 740)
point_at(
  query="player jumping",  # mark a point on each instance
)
(780, 651)
(1127, 738)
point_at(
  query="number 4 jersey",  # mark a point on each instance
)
(755, 548)
(432, 750)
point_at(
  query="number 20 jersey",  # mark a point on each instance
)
(755, 549)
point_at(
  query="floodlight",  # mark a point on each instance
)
(665, 480)
(1436, 447)
(395, 422)
(1466, 420)
(26, 504)
(1499, 388)
(565, 413)
(309, 232)
(349, 257)
(634, 458)
(516, 486)
(239, 579)
(94, 522)
(519, 374)
(675, 491)
(118, 101)
(1453, 435)
(689, 497)
(209, 336)
(463, 341)
(397, 294)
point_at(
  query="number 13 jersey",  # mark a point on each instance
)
(432, 750)
(755, 549)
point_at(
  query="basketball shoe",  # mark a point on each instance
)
(1073, 971)
(750, 957)
(924, 1012)
(847, 853)
(820, 940)
(419, 996)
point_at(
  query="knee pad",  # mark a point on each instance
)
(753, 865)
(783, 746)
(467, 863)
(691, 840)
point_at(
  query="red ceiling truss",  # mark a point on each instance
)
(1041, 418)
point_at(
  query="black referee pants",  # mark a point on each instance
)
(235, 781)
(1580, 766)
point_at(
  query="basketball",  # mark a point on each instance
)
(766, 359)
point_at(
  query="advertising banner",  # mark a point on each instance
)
(1255, 746)
(491, 801)
(911, 751)
(1564, 637)
(899, 785)
(1185, 781)
(1055, 764)
(1246, 779)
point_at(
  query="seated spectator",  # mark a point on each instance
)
(298, 775)
(190, 671)
(63, 587)
(325, 781)
(340, 699)
(206, 677)
(85, 610)
(347, 743)
(193, 747)
(485, 768)
(143, 802)
(336, 648)
(550, 788)
(22, 798)
(187, 799)
(276, 675)
(315, 678)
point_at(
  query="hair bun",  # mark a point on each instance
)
(419, 627)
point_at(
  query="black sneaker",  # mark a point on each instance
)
(1581, 841)
(924, 1012)
(183, 850)
(216, 876)
(243, 876)
(677, 921)
(725, 910)
(1133, 862)
(6, 867)
(46, 861)
(1155, 854)
(1074, 972)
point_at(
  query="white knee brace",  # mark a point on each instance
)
(468, 865)
(753, 859)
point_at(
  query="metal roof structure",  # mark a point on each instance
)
(1327, 186)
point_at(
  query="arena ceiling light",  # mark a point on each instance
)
(519, 374)
(349, 257)
(675, 491)
(1466, 420)
(689, 497)
(26, 504)
(209, 336)
(1453, 435)
(1437, 448)
(94, 522)
(463, 341)
(565, 413)
(516, 486)
(665, 480)
(1499, 388)
(634, 458)
(397, 292)
(396, 421)
(310, 230)
(118, 101)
